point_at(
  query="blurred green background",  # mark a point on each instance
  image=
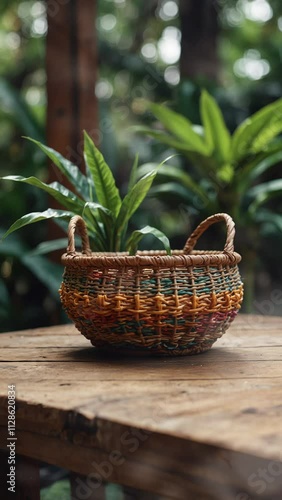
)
(145, 52)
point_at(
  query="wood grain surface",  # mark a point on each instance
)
(208, 426)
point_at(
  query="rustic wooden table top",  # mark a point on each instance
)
(207, 425)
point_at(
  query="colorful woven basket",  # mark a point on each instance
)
(152, 302)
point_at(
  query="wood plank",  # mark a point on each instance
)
(236, 417)
(156, 370)
(228, 399)
(142, 461)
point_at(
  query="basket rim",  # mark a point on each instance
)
(151, 258)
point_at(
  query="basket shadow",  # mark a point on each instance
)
(97, 356)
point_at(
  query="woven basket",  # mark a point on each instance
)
(152, 302)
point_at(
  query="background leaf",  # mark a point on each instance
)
(180, 127)
(50, 246)
(216, 133)
(253, 129)
(49, 273)
(264, 192)
(13, 104)
(254, 169)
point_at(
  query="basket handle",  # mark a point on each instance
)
(230, 226)
(77, 224)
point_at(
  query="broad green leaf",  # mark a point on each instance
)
(49, 273)
(269, 217)
(180, 127)
(136, 237)
(174, 193)
(93, 220)
(59, 192)
(267, 134)
(204, 163)
(105, 186)
(225, 173)
(13, 104)
(61, 489)
(49, 246)
(133, 174)
(103, 223)
(252, 170)
(36, 217)
(254, 128)
(274, 147)
(169, 172)
(162, 137)
(216, 133)
(131, 202)
(262, 193)
(13, 246)
(68, 169)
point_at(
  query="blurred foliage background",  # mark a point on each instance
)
(145, 52)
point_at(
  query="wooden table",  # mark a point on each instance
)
(206, 427)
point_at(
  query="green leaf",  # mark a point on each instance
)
(105, 187)
(36, 217)
(103, 222)
(162, 137)
(180, 127)
(267, 134)
(14, 246)
(173, 193)
(225, 173)
(252, 170)
(204, 163)
(131, 202)
(257, 130)
(12, 103)
(169, 172)
(268, 217)
(49, 246)
(59, 192)
(49, 273)
(136, 237)
(68, 169)
(60, 490)
(216, 133)
(264, 192)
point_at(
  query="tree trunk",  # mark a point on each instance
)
(71, 66)
(199, 27)
(71, 62)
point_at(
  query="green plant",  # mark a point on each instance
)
(96, 198)
(225, 173)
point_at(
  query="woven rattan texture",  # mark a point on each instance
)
(158, 310)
